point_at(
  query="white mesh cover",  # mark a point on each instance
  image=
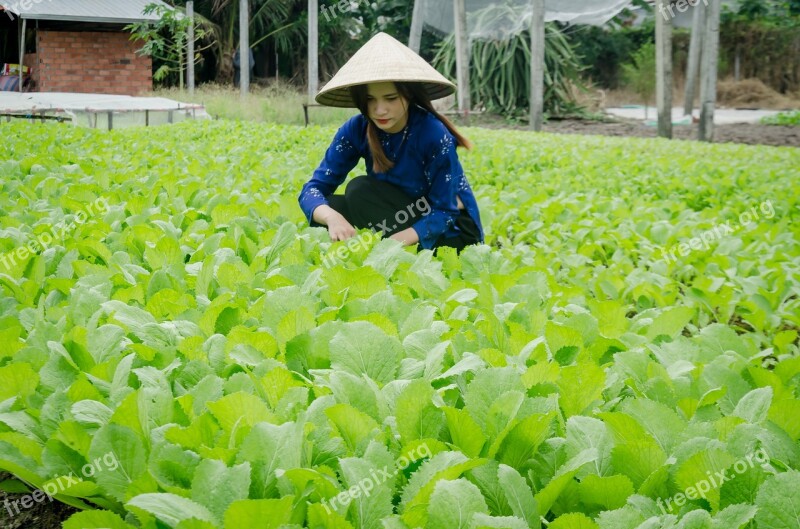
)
(438, 14)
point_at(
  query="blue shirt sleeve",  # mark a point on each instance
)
(443, 170)
(340, 158)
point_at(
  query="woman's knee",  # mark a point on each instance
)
(357, 187)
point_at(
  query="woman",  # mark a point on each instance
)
(415, 190)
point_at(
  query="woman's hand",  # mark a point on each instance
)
(338, 227)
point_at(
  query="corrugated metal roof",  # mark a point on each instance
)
(110, 11)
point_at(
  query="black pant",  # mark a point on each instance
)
(371, 203)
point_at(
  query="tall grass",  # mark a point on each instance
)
(283, 103)
(278, 103)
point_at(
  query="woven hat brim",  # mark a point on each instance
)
(340, 97)
(383, 59)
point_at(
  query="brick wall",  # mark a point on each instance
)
(29, 59)
(91, 62)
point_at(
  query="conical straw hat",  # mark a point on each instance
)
(383, 58)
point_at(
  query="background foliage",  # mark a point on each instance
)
(500, 71)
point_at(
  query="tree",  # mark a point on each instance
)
(500, 72)
(640, 74)
(278, 30)
(753, 9)
(166, 40)
(281, 20)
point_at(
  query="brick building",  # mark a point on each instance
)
(77, 45)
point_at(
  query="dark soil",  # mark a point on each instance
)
(45, 515)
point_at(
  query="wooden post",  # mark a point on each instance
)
(313, 49)
(695, 51)
(22, 50)
(708, 85)
(244, 47)
(462, 56)
(190, 53)
(664, 69)
(415, 36)
(537, 65)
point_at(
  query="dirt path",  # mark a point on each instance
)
(747, 133)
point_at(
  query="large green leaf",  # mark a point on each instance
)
(369, 491)
(95, 520)
(453, 504)
(464, 431)
(362, 348)
(355, 427)
(778, 501)
(754, 406)
(19, 380)
(217, 486)
(268, 448)
(417, 417)
(118, 458)
(238, 412)
(573, 521)
(693, 473)
(269, 514)
(519, 496)
(580, 386)
(170, 509)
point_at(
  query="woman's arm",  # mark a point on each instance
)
(408, 236)
(339, 160)
(443, 171)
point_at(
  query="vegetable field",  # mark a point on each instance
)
(178, 349)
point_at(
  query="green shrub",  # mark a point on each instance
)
(791, 119)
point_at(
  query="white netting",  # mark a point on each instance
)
(503, 18)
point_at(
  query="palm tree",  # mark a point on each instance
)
(268, 19)
(284, 25)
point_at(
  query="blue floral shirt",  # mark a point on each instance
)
(426, 165)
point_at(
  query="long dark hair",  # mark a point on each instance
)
(414, 93)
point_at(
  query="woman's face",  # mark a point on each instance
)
(387, 108)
